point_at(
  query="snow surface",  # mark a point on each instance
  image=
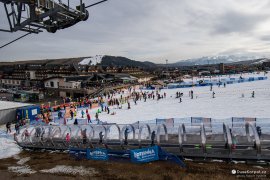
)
(92, 60)
(228, 103)
(71, 170)
(23, 161)
(10, 105)
(21, 170)
(8, 148)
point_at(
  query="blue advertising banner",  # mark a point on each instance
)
(97, 154)
(144, 155)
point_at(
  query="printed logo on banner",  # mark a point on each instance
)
(97, 154)
(144, 155)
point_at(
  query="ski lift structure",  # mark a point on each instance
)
(35, 16)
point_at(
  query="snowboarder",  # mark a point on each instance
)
(214, 94)
(191, 94)
(224, 85)
(180, 99)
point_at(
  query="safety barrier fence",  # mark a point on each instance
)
(210, 82)
(197, 132)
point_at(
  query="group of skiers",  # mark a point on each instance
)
(18, 126)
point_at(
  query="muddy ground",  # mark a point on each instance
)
(37, 161)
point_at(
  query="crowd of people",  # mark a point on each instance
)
(103, 104)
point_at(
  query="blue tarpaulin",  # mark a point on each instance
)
(97, 154)
(29, 112)
(144, 155)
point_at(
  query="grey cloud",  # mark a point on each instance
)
(147, 29)
(238, 22)
(265, 38)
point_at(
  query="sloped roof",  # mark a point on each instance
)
(11, 105)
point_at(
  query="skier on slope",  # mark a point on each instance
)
(253, 94)
(191, 94)
(71, 114)
(82, 113)
(8, 126)
(88, 118)
(75, 122)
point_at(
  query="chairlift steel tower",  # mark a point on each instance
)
(34, 15)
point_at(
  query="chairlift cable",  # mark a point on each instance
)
(15, 40)
(96, 3)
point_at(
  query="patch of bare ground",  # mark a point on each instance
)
(57, 166)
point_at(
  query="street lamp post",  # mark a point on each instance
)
(167, 68)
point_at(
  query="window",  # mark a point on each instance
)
(52, 84)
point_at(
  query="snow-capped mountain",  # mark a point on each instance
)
(215, 60)
(91, 60)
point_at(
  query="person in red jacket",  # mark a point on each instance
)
(67, 138)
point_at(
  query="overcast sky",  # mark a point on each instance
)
(153, 30)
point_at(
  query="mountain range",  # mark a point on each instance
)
(123, 61)
(230, 59)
